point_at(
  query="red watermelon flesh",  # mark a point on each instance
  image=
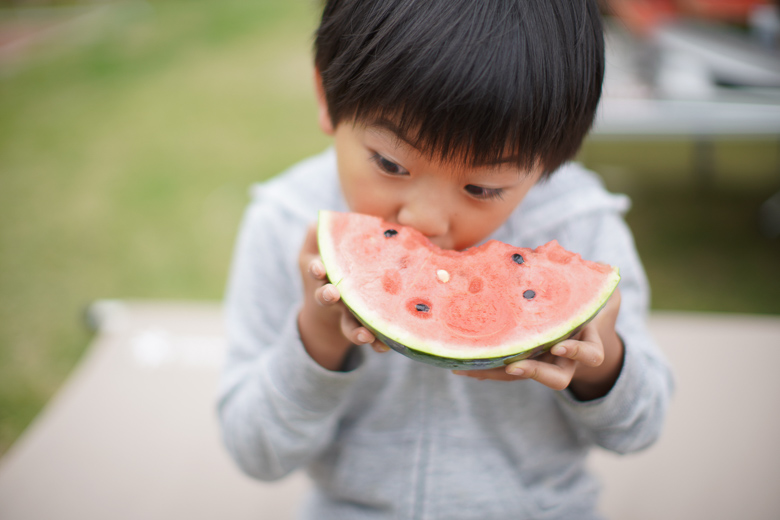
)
(479, 308)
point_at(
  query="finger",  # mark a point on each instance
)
(499, 373)
(327, 295)
(317, 269)
(353, 331)
(588, 349)
(380, 347)
(556, 375)
(493, 374)
(613, 304)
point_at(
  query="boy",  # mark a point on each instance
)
(456, 117)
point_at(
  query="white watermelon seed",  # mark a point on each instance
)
(443, 276)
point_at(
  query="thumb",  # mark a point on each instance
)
(310, 241)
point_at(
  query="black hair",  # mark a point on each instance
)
(476, 80)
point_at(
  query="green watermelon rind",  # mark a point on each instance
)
(472, 363)
(400, 341)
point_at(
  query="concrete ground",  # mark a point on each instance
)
(133, 435)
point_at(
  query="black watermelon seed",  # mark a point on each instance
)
(518, 258)
(529, 294)
(391, 233)
(422, 307)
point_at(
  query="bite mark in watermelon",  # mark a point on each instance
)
(480, 308)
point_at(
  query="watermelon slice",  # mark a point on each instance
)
(480, 308)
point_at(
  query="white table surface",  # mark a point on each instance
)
(133, 434)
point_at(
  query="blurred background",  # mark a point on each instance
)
(130, 132)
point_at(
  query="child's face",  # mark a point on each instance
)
(455, 205)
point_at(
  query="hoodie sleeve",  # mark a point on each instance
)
(631, 415)
(277, 407)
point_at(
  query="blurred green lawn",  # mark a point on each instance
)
(126, 154)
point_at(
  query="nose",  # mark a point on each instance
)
(427, 214)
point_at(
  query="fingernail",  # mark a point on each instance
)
(362, 337)
(558, 350)
(328, 295)
(515, 371)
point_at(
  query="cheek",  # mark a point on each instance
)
(365, 194)
(476, 227)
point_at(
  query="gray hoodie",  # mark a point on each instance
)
(394, 438)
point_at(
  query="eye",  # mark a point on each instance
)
(387, 166)
(478, 192)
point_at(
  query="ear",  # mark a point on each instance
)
(322, 105)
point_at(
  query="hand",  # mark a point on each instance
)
(587, 364)
(328, 330)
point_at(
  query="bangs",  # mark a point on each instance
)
(480, 82)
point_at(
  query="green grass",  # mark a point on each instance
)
(699, 238)
(706, 253)
(126, 154)
(124, 167)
